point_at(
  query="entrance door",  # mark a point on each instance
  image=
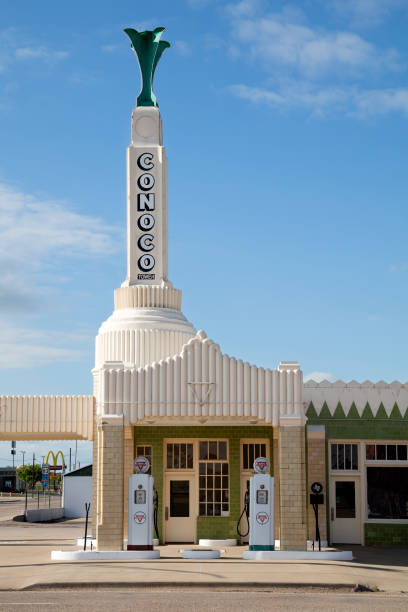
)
(180, 508)
(345, 512)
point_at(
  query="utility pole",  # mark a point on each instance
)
(32, 483)
(23, 453)
(76, 451)
(13, 450)
(70, 459)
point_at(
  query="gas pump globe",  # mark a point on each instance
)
(261, 519)
(140, 517)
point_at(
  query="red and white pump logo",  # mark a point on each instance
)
(262, 518)
(261, 465)
(141, 465)
(140, 518)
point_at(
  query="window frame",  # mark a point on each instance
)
(387, 463)
(243, 441)
(173, 470)
(224, 513)
(345, 472)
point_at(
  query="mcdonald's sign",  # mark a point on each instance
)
(55, 466)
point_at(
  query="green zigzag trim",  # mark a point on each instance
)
(367, 414)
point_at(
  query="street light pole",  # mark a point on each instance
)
(23, 453)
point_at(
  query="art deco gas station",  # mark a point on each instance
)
(166, 393)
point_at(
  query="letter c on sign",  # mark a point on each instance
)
(145, 161)
(145, 242)
(146, 263)
(146, 181)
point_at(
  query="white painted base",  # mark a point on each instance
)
(323, 544)
(89, 539)
(230, 542)
(201, 554)
(103, 555)
(297, 555)
(80, 542)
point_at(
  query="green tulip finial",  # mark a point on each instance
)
(148, 48)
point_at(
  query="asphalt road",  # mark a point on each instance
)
(168, 601)
(11, 506)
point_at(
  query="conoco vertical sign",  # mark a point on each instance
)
(146, 207)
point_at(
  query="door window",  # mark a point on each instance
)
(179, 498)
(345, 499)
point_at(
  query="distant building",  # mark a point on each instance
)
(77, 491)
(9, 481)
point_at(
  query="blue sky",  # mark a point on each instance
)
(285, 127)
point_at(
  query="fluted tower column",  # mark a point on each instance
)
(147, 324)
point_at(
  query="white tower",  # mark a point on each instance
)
(147, 324)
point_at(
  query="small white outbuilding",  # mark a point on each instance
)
(77, 491)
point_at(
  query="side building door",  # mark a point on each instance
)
(345, 510)
(345, 492)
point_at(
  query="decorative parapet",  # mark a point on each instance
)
(147, 296)
(67, 417)
(203, 385)
(358, 394)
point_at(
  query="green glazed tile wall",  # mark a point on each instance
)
(380, 534)
(366, 427)
(380, 427)
(207, 527)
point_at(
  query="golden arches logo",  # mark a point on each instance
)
(55, 460)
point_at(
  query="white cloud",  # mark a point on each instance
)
(11, 51)
(47, 55)
(109, 48)
(380, 102)
(26, 347)
(366, 12)
(31, 228)
(327, 100)
(402, 267)
(314, 53)
(182, 48)
(245, 8)
(319, 376)
(37, 235)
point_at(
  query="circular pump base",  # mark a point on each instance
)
(103, 555)
(201, 554)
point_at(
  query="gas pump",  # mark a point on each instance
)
(261, 520)
(141, 512)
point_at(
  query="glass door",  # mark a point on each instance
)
(345, 510)
(179, 509)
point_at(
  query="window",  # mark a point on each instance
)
(213, 478)
(386, 452)
(344, 456)
(387, 492)
(145, 451)
(180, 456)
(250, 452)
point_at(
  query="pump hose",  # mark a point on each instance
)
(246, 512)
(155, 512)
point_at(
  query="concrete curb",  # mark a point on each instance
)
(174, 586)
